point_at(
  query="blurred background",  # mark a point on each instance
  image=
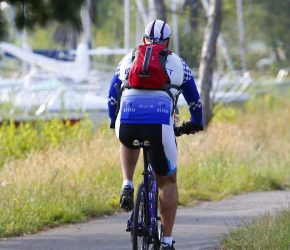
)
(57, 57)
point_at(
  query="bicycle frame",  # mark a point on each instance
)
(150, 187)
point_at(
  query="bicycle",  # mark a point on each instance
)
(144, 222)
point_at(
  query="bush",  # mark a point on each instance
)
(18, 141)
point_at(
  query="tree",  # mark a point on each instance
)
(275, 24)
(3, 24)
(161, 10)
(207, 56)
(41, 12)
(66, 35)
(195, 8)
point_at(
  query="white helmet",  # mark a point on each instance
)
(157, 30)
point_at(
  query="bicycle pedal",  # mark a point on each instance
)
(128, 230)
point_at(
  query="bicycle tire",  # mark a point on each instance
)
(139, 239)
(158, 234)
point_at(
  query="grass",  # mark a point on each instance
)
(80, 178)
(59, 185)
(18, 141)
(267, 233)
(248, 150)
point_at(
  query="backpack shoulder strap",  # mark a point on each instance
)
(134, 54)
(174, 98)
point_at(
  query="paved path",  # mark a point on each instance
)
(200, 227)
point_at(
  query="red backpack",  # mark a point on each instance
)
(148, 70)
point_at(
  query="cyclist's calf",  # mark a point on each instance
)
(168, 201)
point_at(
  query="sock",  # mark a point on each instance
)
(127, 183)
(167, 240)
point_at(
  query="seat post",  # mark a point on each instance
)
(145, 159)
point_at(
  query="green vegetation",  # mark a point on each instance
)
(244, 149)
(267, 233)
(270, 231)
(18, 141)
(80, 177)
(266, 24)
(42, 12)
(61, 184)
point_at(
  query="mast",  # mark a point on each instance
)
(126, 24)
(240, 21)
(175, 26)
(151, 10)
(86, 24)
(141, 11)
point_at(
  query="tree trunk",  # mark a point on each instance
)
(195, 8)
(160, 10)
(67, 36)
(286, 49)
(207, 57)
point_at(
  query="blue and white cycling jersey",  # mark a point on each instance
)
(154, 106)
(145, 107)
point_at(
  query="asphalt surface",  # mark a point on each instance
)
(200, 227)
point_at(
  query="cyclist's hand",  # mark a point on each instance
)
(187, 128)
(178, 131)
(190, 128)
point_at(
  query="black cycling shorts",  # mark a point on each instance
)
(162, 155)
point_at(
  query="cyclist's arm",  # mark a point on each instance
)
(113, 97)
(192, 98)
(115, 88)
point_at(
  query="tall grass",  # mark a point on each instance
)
(267, 233)
(81, 178)
(252, 153)
(59, 185)
(16, 141)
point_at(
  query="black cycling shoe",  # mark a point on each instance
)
(165, 246)
(127, 198)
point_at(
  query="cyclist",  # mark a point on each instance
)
(147, 114)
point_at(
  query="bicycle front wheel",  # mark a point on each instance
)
(139, 232)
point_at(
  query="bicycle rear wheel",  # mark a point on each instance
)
(139, 234)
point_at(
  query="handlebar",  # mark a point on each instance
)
(187, 128)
